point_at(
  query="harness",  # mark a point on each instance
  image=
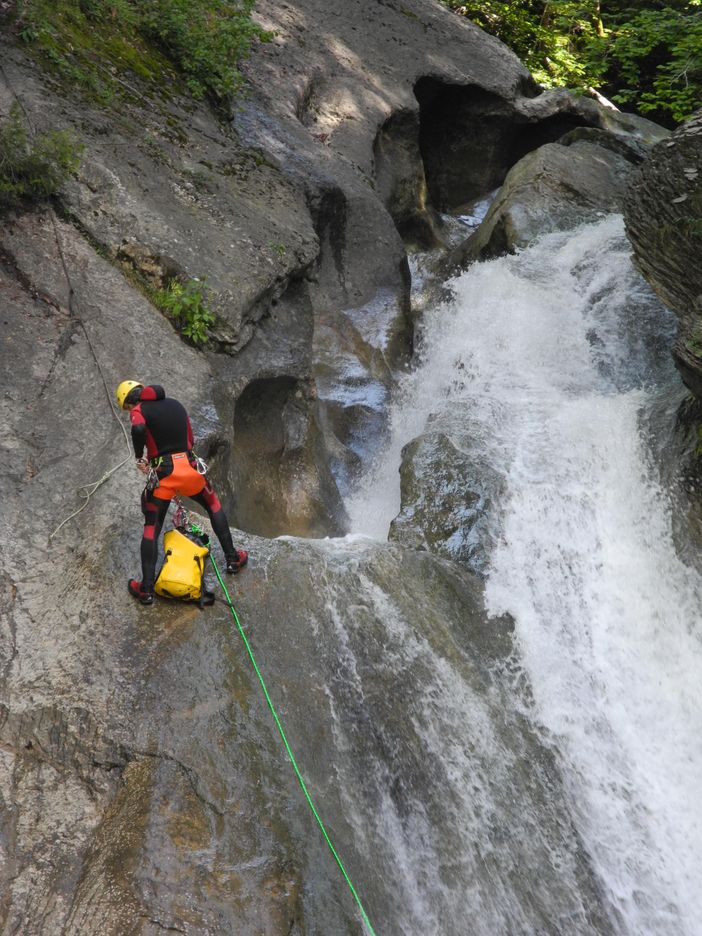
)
(155, 463)
(196, 462)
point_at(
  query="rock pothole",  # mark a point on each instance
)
(282, 484)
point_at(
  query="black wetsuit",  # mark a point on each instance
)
(161, 424)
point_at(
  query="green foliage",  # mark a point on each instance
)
(186, 305)
(89, 44)
(548, 37)
(104, 10)
(33, 169)
(656, 59)
(645, 55)
(92, 42)
(204, 38)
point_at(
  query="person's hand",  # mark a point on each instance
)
(143, 465)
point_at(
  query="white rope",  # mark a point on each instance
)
(93, 486)
(91, 489)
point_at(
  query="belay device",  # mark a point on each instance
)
(181, 576)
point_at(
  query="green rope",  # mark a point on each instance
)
(290, 753)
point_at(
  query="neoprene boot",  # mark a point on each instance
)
(237, 560)
(137, 590)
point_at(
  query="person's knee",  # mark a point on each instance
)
(149, 506)
(154, 515)
(211, 500)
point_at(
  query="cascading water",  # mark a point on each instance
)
(551, 360)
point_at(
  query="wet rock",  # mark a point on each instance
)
(171, 806)
(663, 214)
(630, 147)
(675, 426)
(447, 499)
(401, 181)
(554, 188)
(353, 353)
(279, 463)
(201, 826)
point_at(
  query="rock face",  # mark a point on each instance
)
(447, 501)
(165, 798)
(349, 140)
(143, 786)
(664, 222)
(554, 188)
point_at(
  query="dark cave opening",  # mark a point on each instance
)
(469, 139)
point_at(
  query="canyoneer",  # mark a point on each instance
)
(161, 426)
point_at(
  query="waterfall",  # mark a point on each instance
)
(551, 360)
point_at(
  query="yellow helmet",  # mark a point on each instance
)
(124, 389)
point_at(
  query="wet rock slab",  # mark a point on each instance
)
(555, 188)
(448, 498)
(187, 812)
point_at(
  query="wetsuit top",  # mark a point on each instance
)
(161, 424)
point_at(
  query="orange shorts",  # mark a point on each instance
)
(183, 479)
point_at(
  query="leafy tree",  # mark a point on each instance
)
(548, 37)
(645, 55)
(654, 61)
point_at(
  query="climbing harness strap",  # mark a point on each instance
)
(291, 756)
(151, 480)
(195, 461)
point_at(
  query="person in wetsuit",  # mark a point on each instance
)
(161, 426)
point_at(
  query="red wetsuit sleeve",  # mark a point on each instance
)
(138, 431)
(191, 441)
(153, 392)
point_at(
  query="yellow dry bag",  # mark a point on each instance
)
(183, 568)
